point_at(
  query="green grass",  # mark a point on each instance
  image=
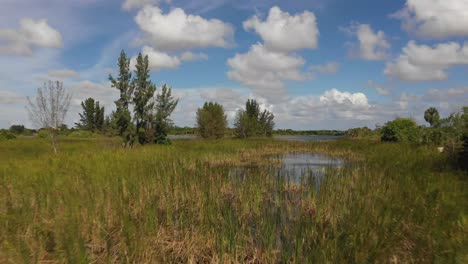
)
(97, 202)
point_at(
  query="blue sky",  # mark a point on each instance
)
(315, 64)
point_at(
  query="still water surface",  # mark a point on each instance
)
(295, 167)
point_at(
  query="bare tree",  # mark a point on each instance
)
(49, 108)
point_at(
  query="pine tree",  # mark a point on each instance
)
(266, 123)
(143, 92)
(92, 118)
(165, 105)
(122, 114)
(253, 122)
(99, 118)
(87, 117)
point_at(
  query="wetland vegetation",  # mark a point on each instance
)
(116, 189)
(99, 202)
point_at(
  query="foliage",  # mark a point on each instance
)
(431, 115)
(266, 123)
(176, 130)
(49, 108)
(402, 130)
(17, 129)
(463, 155)
(142, 105)
(211, 120)
(452, 128)
(92, 118)
(43, 133)
(6, 135)
(432, 136)
(359, 132)
(102, 204)
(122, 119)
(21, 130)
(253, 122)
(164, 106)
(150, 113)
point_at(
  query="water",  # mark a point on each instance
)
(182, 137)
(297, 166)
(283, 209)
(294, 167)
(307, 138)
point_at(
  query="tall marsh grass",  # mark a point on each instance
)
(98, 203)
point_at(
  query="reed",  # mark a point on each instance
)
(97, 202)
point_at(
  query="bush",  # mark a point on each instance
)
(17, 129)
(211, 120)
(463, 155)
(253, 122)
(401, 130)
(6, 135)
(43, 133)
(431, 135)
(360, 132)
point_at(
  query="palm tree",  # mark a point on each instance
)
(431, 115)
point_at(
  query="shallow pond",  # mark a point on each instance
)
(295, 167)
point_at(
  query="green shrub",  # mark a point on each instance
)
(43, 133)
(463, 155)
(17, 129)
(401, 130)
(6, 135)
(431, 135)
(360, 132)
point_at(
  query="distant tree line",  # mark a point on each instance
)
(450, 133)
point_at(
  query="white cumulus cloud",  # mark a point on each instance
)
(32, 33)
(157, 60)
(435, 18)
(372, 45)
(335, 97)
(426, 63)
(284, 32)
(177, 30)
(265, 71)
